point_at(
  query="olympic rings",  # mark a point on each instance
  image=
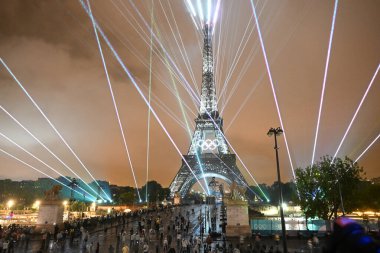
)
(208, 144)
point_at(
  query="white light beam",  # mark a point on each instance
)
(200, 9)
(47, 165)
(51, 124)
(130, 76)
(216, 13)
(32, 167)
(356, 112)
(45, 147)
(324, 79)
(191, 7)
(114, 101)
(272, 85)
(365, 150)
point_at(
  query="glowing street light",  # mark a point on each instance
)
(36, 204)
(10, 203)
(93, 207)
(276, 132)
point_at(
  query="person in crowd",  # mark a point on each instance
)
(125, 249)
(350, 237)
(146, 248)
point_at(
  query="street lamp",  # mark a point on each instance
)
(36, 204)
(10, 203)
(276, 132)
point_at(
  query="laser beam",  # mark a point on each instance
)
(130, 76)
(51, 124)
(324, 79)
(356, 112)
(272, 85)
(216, 12)
(191, 7)
(43, 173)
(114, 100)
(200, 9)
(209, 11)
(149, 101)
(180, 102)
(45, 147)
(38, 159)
(189, 89)
(368, 147)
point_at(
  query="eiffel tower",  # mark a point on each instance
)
(209, 155)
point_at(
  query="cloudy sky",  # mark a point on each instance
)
(51, 48)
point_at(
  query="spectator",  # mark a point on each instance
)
(146, 248)
(350, 237)
(125, 249)
(111, 249)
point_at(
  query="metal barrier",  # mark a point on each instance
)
(298, 227)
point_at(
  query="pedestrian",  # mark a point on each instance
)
(179, 236)
(97, 247)
(236, 249)
(183, 245)
(134, 239)
(170, 238)
(111, 249)
(146, 248)
(315, 241)
(124, 237)
(125, 249)
(165, 244)
(5, 245)
(89, 247)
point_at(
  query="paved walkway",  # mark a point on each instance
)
(203, 214)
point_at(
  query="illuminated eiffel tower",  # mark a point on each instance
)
(209, 155)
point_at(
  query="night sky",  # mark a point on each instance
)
(51, 48)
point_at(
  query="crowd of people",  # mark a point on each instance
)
(179, 229)
(14, 235)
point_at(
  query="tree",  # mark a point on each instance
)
(289, 193)
(368, 196)
(262, 190)
(78, 206)
(326, 184)
(123, 194)
(127, 197)
(155, 191)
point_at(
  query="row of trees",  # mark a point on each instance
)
(152, 191)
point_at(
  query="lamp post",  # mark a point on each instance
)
(276, 132)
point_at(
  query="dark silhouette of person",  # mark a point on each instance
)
(350, 237)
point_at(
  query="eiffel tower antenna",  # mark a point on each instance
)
(208, 104)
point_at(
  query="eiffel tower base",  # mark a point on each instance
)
(237, 219)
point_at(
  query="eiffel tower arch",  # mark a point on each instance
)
(209, 154)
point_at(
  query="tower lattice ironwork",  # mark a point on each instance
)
(209, 154)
